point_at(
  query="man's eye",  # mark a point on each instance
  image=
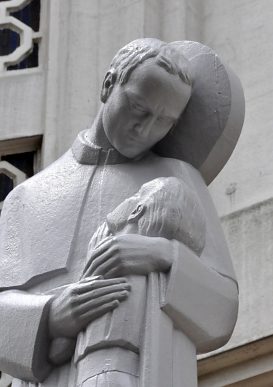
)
(165, 120)
(138, 108)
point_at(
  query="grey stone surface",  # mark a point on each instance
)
(239, 32)
(213, 117)
(48, 221)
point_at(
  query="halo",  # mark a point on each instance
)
(210, 126)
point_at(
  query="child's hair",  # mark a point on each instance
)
(172, 211)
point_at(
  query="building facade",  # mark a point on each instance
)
(53, 57)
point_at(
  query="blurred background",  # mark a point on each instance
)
(53, 57)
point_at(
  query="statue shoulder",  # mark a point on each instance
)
(32, 213)
(43, 183)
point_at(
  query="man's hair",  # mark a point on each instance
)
(138, 51)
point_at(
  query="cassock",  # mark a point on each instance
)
(46, 225)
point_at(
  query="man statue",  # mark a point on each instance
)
(47, 223)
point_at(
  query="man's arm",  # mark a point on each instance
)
(25, 329)
(200, 301)
(23, 335)
(23, 316)
(202, 293)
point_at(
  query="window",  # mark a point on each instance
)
(18, 161)
(19, 34)
(5, 380)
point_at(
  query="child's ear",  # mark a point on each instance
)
(136, 213)
(107, 85)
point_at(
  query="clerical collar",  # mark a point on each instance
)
(87, 153)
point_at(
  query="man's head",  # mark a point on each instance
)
(138, 51)
(145, 91)
(163, 207)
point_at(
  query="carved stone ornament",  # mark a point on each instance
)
(114, 269)
(26, 33)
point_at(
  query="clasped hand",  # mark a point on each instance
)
(129, 254)
(82, 302)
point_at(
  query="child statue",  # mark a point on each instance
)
(163, 207)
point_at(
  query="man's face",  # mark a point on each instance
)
(141, 112)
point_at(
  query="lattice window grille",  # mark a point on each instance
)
(14, 174)
(28, 37)
(5, 380)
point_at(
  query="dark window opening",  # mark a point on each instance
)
(30, 15)
(6, 185)
(22, 161)
(32, 60)
(9, 41)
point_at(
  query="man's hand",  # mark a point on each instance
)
(82, 302)
(129, 254)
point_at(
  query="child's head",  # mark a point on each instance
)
(163, 207)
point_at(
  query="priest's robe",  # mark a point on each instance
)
(45, 227)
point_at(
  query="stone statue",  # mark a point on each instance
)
(138, 305)
(163, 207)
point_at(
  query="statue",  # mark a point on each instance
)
(163, 207)
(125, 307)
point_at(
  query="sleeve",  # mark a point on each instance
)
(201, 302)
(202, 293)
(23, 335)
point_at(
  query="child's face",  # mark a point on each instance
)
(129, 228)
(117, 220)
(124, 219)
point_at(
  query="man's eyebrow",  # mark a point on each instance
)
(142, 102)
(136, 97)
(170, 118)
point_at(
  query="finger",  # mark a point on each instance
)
(106, 266)
(91, 278)
(102, 246)
(103, 241)
(113, 272)
(97, 252)
(93, 294)
(125, 269)
(91, 285)
(99, 311)
(106, 256)
(94, 304)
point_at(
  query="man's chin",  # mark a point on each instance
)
(133, 154)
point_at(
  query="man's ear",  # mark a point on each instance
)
(136, 213)
(107, 85)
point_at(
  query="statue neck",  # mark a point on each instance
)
(96, 134)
